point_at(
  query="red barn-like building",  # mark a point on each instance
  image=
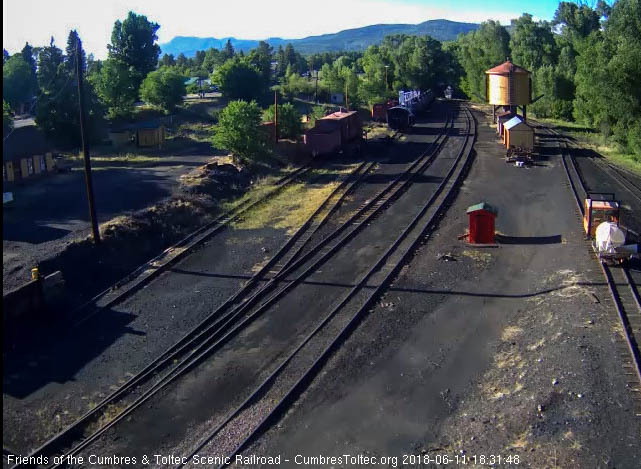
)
(481, 223)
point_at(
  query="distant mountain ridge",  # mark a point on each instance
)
(349, 39)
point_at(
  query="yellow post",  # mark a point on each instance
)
(49, 161)
(36, 164)
(10, 175)
(24, 170)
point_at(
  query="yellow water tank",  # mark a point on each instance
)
(508, 85)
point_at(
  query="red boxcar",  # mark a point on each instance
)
(334, 133)
(379, 110)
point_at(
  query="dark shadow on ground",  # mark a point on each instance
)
(34, 233)
(62, 352)
(566, 128)
(579, 152)
(208, 274)
(64, 201)
(554, 239)
(549, 151)
(120, 163)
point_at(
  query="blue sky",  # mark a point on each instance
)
(37, 20)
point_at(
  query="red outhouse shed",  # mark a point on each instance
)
(481, 223)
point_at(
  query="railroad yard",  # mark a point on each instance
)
(371, 329)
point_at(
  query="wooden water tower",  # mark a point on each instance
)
(508, 85)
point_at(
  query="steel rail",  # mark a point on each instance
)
(623, 181)
(189, 242)
(344, 188)
(186, 340)
(630, 339)
(625, 174)
(628, 334)
(313, 369)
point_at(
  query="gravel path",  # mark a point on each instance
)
(50, 213)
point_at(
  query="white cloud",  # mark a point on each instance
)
(36, 20)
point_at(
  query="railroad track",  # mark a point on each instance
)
(145, 273)
(232, 316)
(622, 178)
(82, 429)
(276, 393)
(623, 289)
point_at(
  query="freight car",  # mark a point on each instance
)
(416, 101)
(400, 118)
(379, 110)
(335, 133)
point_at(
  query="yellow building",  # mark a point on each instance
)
(26, 153)
(151, 136)
(518, 134)
(144, 134)
(508, 85)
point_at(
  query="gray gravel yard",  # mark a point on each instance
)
(51, 212)
(493, 354)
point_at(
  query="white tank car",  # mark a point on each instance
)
(609, 237)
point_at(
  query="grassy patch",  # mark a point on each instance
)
(122, 159)
(289, 209)
(293, 206)
(376, 131)
(197, 131)
(590, 138)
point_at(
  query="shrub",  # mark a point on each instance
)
(289, 120)
(238, 131)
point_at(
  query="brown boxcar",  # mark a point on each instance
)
(334, 133)
(379, 110)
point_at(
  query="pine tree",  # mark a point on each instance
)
(28, 56)
(133, 42)
(228, 50)
(70, 52)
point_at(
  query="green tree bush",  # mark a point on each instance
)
(479, 51)
(116, 87)
(238, 131)
(57, 107)
(7, 118)
(16, 81)
(239, 80)
(164, 87)
(289, 120)
(133, 43)
(608, 95)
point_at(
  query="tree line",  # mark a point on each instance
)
(585, 64)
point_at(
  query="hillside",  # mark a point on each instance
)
(349, 39)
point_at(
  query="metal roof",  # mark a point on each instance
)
(150, 124)
(516, 120)
(506, 68)
(338, 115)
(482, 206)
(25, 141)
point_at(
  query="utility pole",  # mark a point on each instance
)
(85, 147)
(276, 116)
(316, 90)
(346, 98)
(386, 85)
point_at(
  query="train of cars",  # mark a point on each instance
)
(342, 131)
(410, 103)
